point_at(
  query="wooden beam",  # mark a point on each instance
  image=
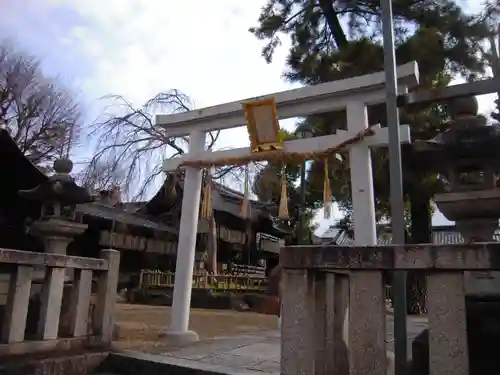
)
(380, 138)
(325, 97)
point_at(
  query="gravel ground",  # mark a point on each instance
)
(141, 326)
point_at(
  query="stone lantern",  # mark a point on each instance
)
(58, 198)
(467, 157)
(57, 228)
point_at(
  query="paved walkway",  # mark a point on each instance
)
(260, 352)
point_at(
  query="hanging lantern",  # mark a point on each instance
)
(263, 125)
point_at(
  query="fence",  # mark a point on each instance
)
(328, 310)
(21, 265)
(219, 283)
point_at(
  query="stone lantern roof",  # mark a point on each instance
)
(59, 188)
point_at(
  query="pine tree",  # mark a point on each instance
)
(339, 39)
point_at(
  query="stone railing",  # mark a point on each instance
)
(84, 329)
(333, 312)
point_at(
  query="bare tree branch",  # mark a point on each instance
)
(42, 116)
(130, 148)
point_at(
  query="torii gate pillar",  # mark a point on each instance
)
(178, 332)
(360, 163)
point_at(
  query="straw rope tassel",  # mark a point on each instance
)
(327, 193)
(206, 205)
(283, 208)
(245, 205)
(171, 185)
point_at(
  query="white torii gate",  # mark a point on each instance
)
(352, 94)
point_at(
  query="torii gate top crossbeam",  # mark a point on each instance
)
(325, 97)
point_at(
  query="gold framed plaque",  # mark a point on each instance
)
(263, 125)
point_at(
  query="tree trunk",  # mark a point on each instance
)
(334, 24)
(421, 222)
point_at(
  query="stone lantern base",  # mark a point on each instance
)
(56, 234)
(475, 214)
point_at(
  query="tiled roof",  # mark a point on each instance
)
(122, 216)
(330, 233)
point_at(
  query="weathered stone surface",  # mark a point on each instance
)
(448, 349)
(51, 301)
(297, 330)
(103, 319)
(471, 256)
(367, 332)
(51, 260)
(16, 309)
(483, 339)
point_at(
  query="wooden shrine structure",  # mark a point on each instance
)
(144, 232)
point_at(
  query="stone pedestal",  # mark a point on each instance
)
(57, 234)
(476, 216)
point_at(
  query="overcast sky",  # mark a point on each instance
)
(136, 48)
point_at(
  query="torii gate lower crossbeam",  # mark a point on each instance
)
(361, 181)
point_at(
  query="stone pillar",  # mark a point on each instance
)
(449, 354)
(367, 324)
(178, 332)
(297, 330)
